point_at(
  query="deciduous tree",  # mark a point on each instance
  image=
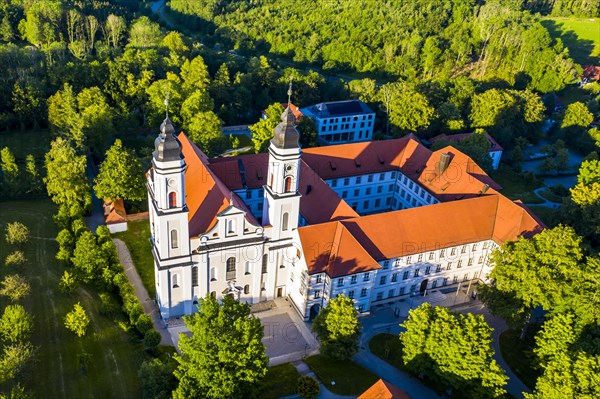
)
(77, 320)
(15, 324)
(338, 328)
(224, 357)
(120, 176)
(14, 287)
(16, 233)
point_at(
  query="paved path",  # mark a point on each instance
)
(140, 291)
(546, 203)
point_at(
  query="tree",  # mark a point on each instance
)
(66, 245)
(9, 169)
(15, 258)
(152, 338)
(67, 283)
(407, 109)
(115, 26)
(31, 168)
(224, 357)
(454, 350)
(337, 327)
(194, 75)
(204, 129)
(96, 117)
(308, 132)
(15, 324)
(89, 258)
(65, 179)
(120, 176)
(64, 118)
(77, 320)
(545, 270)
(578, 115)
(16, 233)
(308, 387)
(14, 287)
(14, 359)
(263, 130)
(157, 379)
(144, 33)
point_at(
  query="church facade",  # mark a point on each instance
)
(375, 221)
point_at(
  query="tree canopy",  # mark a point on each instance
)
(224, 357)
(120, 176)
(338, 328)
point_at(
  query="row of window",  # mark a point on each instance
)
(347, 119)
(464, 249)
(358, 179)
(354, 278)
(249, 193)
(344, 126)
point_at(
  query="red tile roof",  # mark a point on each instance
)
(384, 390)
(115, 211)
(494, 146)
(206, 195)
(318, 204)
(406, 232)
(331, 248)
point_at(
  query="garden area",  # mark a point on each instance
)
(517, 187)
(137, 239)
(341, 377)
(280, 381)
(104, 362)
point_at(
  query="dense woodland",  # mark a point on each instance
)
(96, 75)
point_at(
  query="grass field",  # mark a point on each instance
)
(580, 35)
(115, 360)
(280, 381)
(349, 377)
(515, 187)
(137, 239)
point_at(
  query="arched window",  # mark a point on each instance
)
(230, 226)
(230, 268)
(213, 274)
(172, 199)
(288, 184)
(174, 243)
(213, 294)
(285, 221)
(175, 280)
(247, 268)
(246, 289)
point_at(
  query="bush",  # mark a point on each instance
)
(144, 323)
(152, 338)
(68, 283)
(15, 258)
(308, 387)
(17, 233)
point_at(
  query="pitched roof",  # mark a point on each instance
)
(339, 108)
(410, 231)
(384, 390)
(494, 146)
(331, 248)
(115, 211)
(319, 202)
(462, 179)
(206, 195)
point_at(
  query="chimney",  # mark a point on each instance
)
(443, 163)
(484, 188)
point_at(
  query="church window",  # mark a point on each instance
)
(194, 276)
(175, 280)
(265, 261)
(285, 221)
(317, 294)
(172, 199)
(174, 243)
(246, 289)
(271, 180)
(213, 295)
(213, 274)
(230, 268)
(288, 184)
(247, 268)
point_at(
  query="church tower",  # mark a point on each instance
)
(169, 224)
(281, 207)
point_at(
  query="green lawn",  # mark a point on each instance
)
(580, 35)
(550, 196)
(515, 187)
(349, 377)
(389, 348)
(518, 355)
(280, 381)
(137, 239)
(116, 358)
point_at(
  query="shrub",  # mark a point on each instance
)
(152, 338)
(109, 305)
(15, 258)
(144, 323)
(68, 283)
(308, 387)
(17, 233)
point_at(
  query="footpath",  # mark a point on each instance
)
(148, 304)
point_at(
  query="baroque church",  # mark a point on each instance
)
(375, 221)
